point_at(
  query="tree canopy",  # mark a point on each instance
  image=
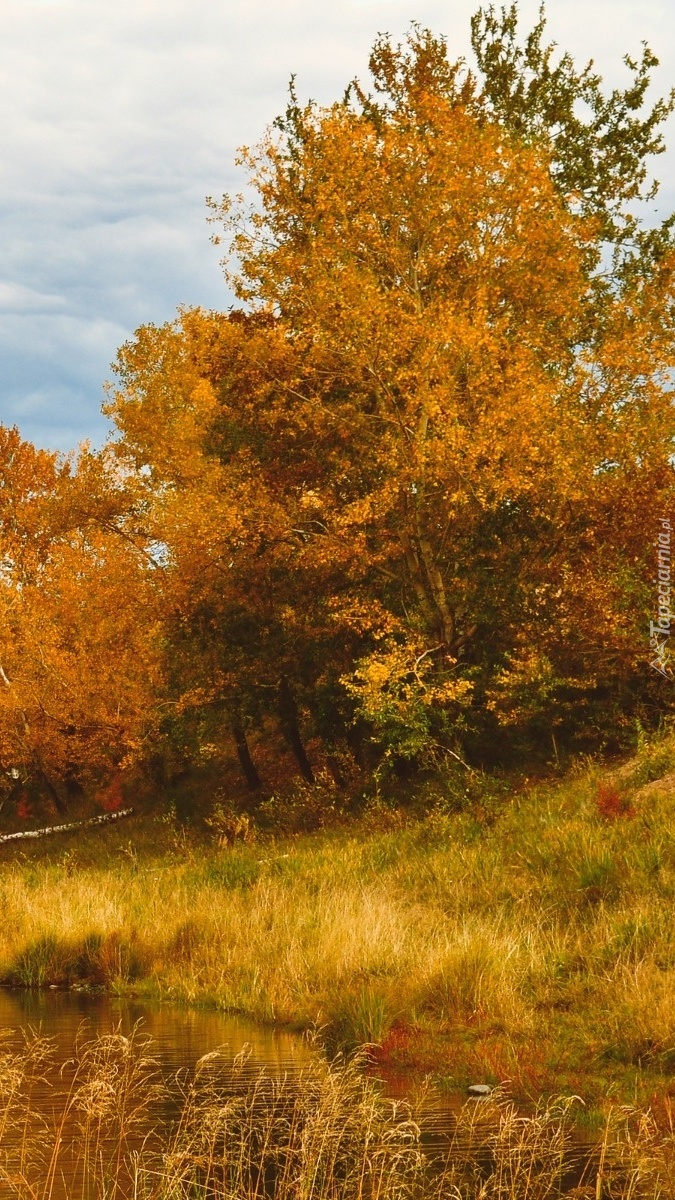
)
(406, 495)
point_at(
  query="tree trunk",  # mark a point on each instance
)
(46, 832)
(248, 767)
(71, 782)
(49, 786)
(334, 767)
(288, 715)
(72, 785)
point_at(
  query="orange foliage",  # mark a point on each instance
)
(411, 490)
(80, 678)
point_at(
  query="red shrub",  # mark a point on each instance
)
(23, 808)
(111, 798)
(611, 804)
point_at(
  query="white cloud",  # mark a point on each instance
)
(16, 297)
(119, 116)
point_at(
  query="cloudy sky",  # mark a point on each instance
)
(120, 116)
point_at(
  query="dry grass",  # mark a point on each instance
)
(534, 944)
(327, 1133)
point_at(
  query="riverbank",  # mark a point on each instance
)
(527, 940)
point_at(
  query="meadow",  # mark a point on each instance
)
(526, 940)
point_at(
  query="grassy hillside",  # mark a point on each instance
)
(529, 938)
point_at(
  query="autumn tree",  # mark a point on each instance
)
(479, 395)
(250, 598)
(599, 145)
(79, 676)
(411, 486)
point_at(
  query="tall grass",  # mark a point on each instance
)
(528, 940)
(327, 1133)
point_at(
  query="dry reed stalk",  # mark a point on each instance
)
(324, 1133)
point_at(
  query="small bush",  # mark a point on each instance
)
(303, 807)
(228, 825)
(362, 1018)
(611, 804)
(40, 963)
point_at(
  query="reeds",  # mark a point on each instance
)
(79, 1130)
(326, 1132)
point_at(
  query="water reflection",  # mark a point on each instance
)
(180, 1036)
(63, 1061)
(87, 1127)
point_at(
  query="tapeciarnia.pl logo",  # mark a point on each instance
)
(659, 630)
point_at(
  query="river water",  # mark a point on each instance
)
(178, 1038)
(41, 1128)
